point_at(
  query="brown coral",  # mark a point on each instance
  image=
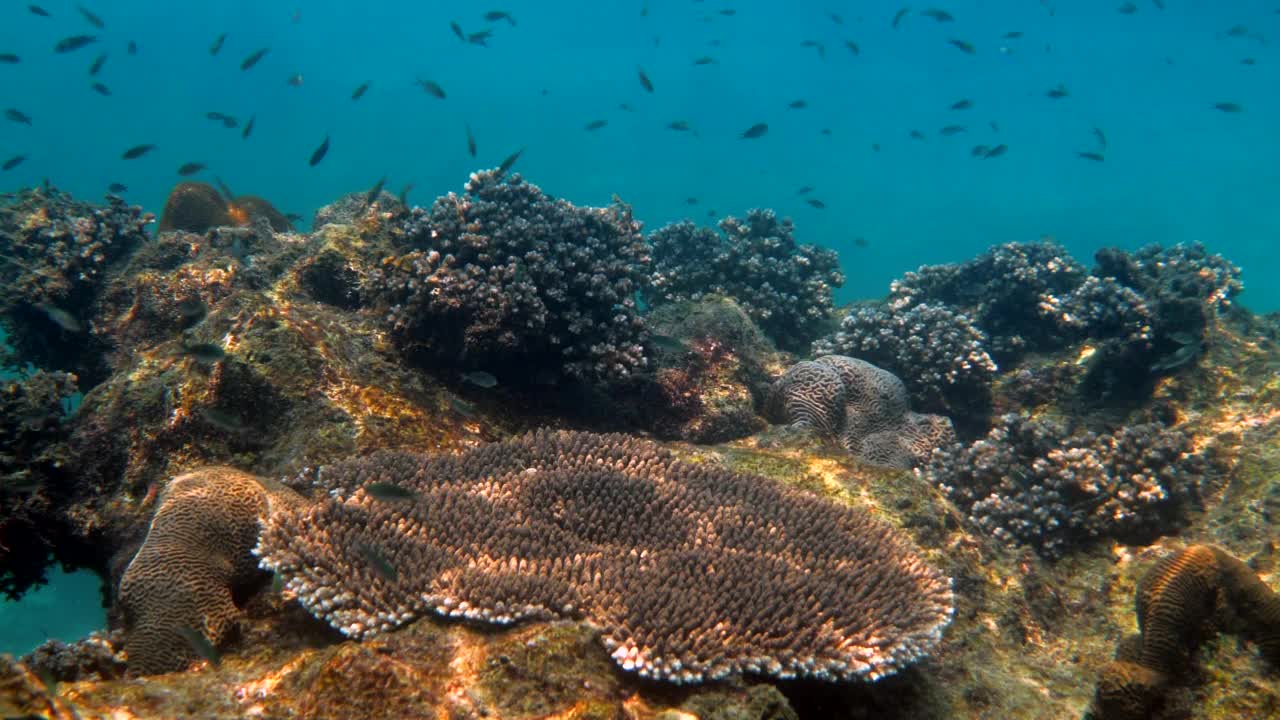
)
(194, 207)
(196, 556)
(691, 572)
(1181, 598)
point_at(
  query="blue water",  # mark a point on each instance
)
(1176, 170)
(67, 609)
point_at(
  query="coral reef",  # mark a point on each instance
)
(198, 207)
(195, 561)
(1033, 482)
(506, 279)
(691, 572)
(96, 657)
(1182, 600)
(866, 407)
(55, 257)
(785, 287)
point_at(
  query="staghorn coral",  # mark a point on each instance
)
(1180, 601)
(1033, 482)
(691, 572)
(865, 406)
(195, 560)
(784, 287)
(507, 279)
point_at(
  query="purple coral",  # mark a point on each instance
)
(785, 287)
(505, 278)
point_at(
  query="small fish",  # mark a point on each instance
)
(1160, 4)
(1012, 35)
(755, 131)
(691, 201)
(9, 59)
(471, 140)
(253, 58)
(319, 152)
(37, 10)
(222, 420)
(1102, 139)
(805, 190)
(431, 88)
(1248, 61)
(953, 130)
(75, 42)
(222, 188)
(978, 151)
(480, 379)
(60, 317)
(216, 47)
(1237, 31)
(916, 135)
(834, 17)
(293, 218)
(667, 343)
(797, 104)
(860, 241)
(248, 127)
(822, 49)
(728, 12)
(215, 115)
(190, 169)
(827, 132)
(360, 91)
(705, 60)
(94, 20)
(229, 122)
(1127, 9)
(101, 89)
(816, 203)
(375, 191)
(595, 125)
(964, 46)
(96, 67)
(295, 80)
(626, 107)
(511, 160)
(897, 17)
(496, 15)
(1096, 157)
(137, 151)
(463, 408)
(117, 188)
(996, 151)
(457, 30)
(995, 127)
(939, 14)
(132, 48)
(13, 162)
(1058, 92)
(644, 80)
(964, 104)
(679, 126)
(853, 47)
(17, 116)
(479, 38)
(1228, 107)
(191, 309)
(206, 353)
(200, 644)
(379, 563)
(389, 491)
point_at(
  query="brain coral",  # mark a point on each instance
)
(865, 406)
(197, 552)
(691, 572)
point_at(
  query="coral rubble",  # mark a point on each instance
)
(785, 287)
(690, 572)
(866, 407)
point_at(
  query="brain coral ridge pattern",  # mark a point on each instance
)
(864, 406)
(691, 572)
(181, 580)
(1180, 600)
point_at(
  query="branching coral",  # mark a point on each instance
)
(785, 287)
(691, 572)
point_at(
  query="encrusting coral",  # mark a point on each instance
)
(691, 572)
(866, 407)
(196, 558)
(1181, 600)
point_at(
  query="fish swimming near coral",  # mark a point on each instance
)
(190, 169)
(471, 140)
(13, 162)
(510, 161)
(480, 379)
(60, 317)
(389, 491)
(201, 645)
(137, 151)
(318, 154)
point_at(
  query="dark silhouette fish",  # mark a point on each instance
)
(805, 190)
(13, 162)
(431, 88)
(480, 379)
(1012, 35)
(132, 49)
(471, 140)
(916, 135)
(797, 104)
(679, 126)
(253, 58)
(595, 125)
(853, 47)
(94, 20)
(1127, 9)
(101, 89)
(9, 58)
(964, 104)
(822, 49)
(480, 38)
(644, 80)
(952, 130)
(1228, 107)
(319, 152)
(248, 127)
(511, 160)
(1058, 93)
(705, 60)
(75, 42)
(375, 191)
(939, 14)
(1102, 139)
(117, 188)
(1096, 157)
(403, 197)
(496, 15)
(755, 131)
(835, 18)
(814, 202)
(978, 151)
(216, 47)
(897, 17)
(190, 169)
(360, 91)
(137, 151)
(963, 45)
(96, 67)
(17, 116)
(200, 645)
(996, 151)
(457, 30)
(37, 10)
(389, 491)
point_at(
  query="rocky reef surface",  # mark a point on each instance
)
(1105, 517)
